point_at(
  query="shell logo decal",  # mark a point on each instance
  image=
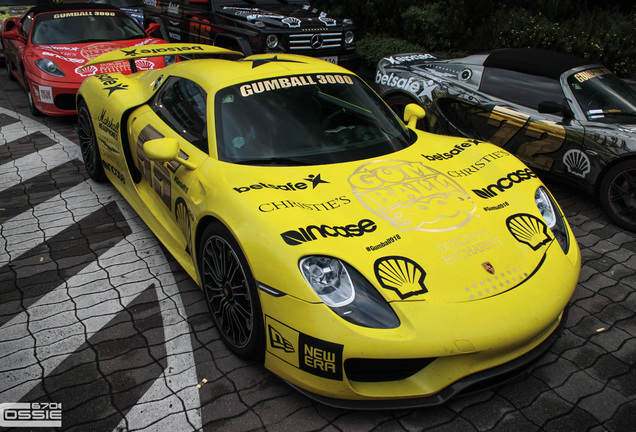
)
(412, 196)
(402, 275)
(528, 229)
(577, 163)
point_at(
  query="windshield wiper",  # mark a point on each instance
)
(274, 161)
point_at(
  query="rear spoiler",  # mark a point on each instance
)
(158, 50)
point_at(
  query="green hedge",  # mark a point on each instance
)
(604, 33)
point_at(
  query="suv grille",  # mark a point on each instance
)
(315, 41)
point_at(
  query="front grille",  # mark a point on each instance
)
(315, 41)
(378, 370)
(65, 101)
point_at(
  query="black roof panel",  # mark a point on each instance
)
(534, 61)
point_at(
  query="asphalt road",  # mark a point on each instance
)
(97, 317)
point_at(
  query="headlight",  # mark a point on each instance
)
(49, 67)
(272, 41)
(347, 292)
(348, 37)
(552, 217)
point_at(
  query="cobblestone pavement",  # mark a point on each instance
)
(95, 315)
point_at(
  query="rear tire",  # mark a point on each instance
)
(618, 194)
(88, 144)
(7, 64)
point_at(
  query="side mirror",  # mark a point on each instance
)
(165, 150)
(413, 113)
(13, 35)
(153, 27)
(551, 107)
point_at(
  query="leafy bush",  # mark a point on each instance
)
(604, 32)
(374, 47)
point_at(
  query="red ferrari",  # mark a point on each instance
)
(45, 49)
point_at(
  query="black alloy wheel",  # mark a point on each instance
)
(88, 144)
(231, 294)
(618, 194)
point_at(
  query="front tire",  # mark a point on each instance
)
(231, 294)
(88, 144)
(618, 194)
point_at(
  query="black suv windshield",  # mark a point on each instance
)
(305, 120)
(603, 96)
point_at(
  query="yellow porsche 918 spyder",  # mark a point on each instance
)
(343, 245)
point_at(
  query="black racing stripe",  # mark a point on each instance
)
(22, 197)
(40, 270)
(24, 146)
(106, 376)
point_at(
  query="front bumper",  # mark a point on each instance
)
(53, 98)
(479, 381)
(451, 347)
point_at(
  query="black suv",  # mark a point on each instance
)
(256, 26)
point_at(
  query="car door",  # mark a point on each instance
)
(14, 48)
(170, 189)
(511, 119)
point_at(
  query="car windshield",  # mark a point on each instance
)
(305, 120)
(603, 96)
(84, 26)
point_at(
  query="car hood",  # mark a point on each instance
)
(461, 218)
(281, 15)
(71, 57)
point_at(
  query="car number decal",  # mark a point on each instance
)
(508, 123)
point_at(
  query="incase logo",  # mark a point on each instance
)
(505, 183)
(303, 235)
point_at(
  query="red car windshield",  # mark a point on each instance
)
(70, 27)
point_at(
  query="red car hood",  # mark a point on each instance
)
(71, 57)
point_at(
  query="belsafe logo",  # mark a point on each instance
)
(312, 179)
(307, 234)
(505, 183)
